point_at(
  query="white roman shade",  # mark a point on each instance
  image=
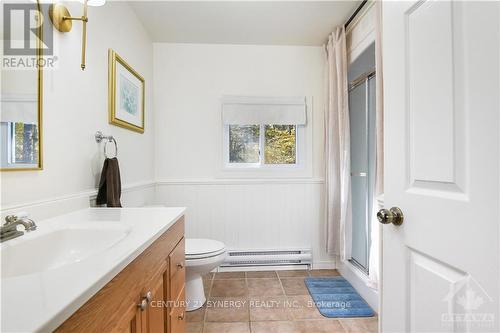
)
(19, 110)
(244, 110)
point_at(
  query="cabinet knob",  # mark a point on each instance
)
(143, 305)
(180, 265)
(145, 301)
(149, 296)
(181, 316)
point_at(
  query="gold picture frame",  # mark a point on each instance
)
(125, 107)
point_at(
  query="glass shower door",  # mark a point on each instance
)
(362, 130)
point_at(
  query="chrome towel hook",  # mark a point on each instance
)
(109, 138)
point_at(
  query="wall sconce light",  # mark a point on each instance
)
(62, 20)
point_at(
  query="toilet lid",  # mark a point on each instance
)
(199, 246)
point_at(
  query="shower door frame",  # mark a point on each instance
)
(365, 79)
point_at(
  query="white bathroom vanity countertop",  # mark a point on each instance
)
(49, 273)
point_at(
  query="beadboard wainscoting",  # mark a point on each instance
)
(249, 214)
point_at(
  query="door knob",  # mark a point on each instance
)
(393, 215)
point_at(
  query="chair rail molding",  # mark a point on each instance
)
(240, 181)
(57, 205)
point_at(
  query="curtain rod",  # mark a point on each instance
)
(355, 13)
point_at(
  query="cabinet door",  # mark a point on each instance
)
(155, 313)
(175, 280)
(177, 314)
(177, 262)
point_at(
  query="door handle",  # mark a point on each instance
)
(393, 215)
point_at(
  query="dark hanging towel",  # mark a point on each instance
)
(110, 187)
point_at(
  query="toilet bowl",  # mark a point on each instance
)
(202, 256)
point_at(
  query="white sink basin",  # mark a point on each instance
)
(56, 249)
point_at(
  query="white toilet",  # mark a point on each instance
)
(202, 256)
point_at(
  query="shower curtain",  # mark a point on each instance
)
(374, 262)
(337, 148)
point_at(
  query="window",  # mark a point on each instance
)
(25, 141)
(244, 144)
(263, 132)
(21, 144)
(280, 144)
(260, 145)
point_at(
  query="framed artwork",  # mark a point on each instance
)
(126, 94)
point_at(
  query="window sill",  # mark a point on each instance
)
(255, 167)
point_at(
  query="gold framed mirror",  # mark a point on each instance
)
(21, 99)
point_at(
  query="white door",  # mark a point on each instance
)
(441, 95)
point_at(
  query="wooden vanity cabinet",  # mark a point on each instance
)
(155, 280)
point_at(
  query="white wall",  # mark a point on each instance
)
(76, 106)
(189, 80)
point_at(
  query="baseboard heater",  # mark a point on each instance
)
(239, 258)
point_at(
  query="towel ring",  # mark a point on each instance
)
(109, 138)
(106, 144)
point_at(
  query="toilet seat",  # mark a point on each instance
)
(205, 255)
(198, 248)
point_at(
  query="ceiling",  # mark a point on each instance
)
(243, 22)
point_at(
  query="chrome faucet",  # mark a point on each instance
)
(9, 229)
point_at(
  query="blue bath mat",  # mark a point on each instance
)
(336, 298)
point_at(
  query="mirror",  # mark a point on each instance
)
(21, 103)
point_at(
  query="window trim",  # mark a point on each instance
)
(299, 152)
(11, 142)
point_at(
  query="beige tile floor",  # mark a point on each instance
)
(267, 302)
